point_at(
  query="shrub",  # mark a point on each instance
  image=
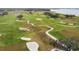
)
(5, 13)
(20, 17)
(68, 44)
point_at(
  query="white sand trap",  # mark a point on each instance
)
(71, 24)
(24, 38)
(61, 22)
(24, 29)
(32, 24)
(19, 20)
(28, 22)
(32, 46)
(39, 19)
(0, 35)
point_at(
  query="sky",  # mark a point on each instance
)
(71, 11)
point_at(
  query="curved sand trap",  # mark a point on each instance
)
(39, 19)
(24, 29)
(24, 38)
(19, 20)
(32, 46)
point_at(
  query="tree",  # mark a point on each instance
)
(52, 15)
(20, 17)
(70, 16)
(5, 13)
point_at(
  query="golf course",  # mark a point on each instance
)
(33, 25)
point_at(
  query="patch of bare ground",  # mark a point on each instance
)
(15, 47)
(71, 33)
(71, 20)
(41, 38)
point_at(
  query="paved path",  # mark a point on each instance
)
(47, 32)
(51, 36)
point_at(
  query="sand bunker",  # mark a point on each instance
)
(39, 19)
(32, 46)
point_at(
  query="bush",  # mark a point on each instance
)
(70, 16)
(5, 13)
(69, 44)
(20, 17)
(54, 15)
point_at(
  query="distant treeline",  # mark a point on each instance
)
(37, 9)
(47, 12)
(58, 15)
(25, 9)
